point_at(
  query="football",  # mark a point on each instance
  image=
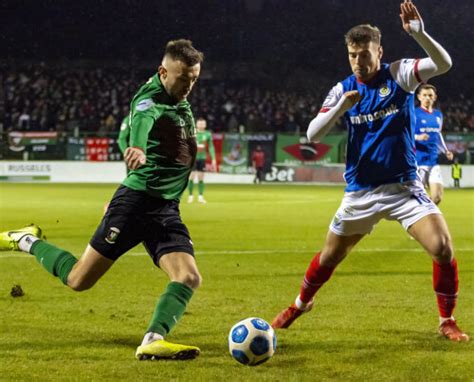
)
(252, 341)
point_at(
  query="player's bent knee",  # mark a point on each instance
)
(442, 250)
(79, 284)
(192, 280)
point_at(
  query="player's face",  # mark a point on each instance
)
(178, 79)
(365, 59)
(427, 98)
(201, 124)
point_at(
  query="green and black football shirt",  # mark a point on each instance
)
(165, 131)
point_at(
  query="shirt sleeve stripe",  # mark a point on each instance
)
(415, 70)
(324, 109)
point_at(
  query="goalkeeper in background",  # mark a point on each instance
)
(145, 208)
(204, 144)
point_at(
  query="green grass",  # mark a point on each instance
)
(375, 320)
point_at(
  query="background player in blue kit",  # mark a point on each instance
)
(377, 102)
(429, 141)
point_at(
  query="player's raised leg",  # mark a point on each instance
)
(79, 274)
(319, 271)
(432, 233)
(184, 279)
(9, 239)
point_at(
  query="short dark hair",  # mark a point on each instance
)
(363, 34)
(427, 86)
(183, 50)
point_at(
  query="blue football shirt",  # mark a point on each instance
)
(431, 124)
(381, 144)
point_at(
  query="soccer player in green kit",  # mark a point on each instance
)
(204, 139)
(145, 208)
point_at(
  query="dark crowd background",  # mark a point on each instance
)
(74, 66)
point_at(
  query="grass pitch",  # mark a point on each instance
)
(376, 319)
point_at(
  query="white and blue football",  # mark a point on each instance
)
(252, 341)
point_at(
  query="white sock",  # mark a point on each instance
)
(442, 320)
(26, 242)
(151, 337)
(300, 304)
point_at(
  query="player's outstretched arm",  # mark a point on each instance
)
(326, 119)
(443, 148)
(439, 61)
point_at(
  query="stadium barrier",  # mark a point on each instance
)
(85, 172)
(114, 172)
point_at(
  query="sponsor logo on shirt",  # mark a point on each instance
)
(144, 104)
(430, 129)
(364, 118)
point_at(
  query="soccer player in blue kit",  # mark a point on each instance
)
(377, 102)
(429, 141)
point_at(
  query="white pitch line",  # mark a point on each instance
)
(260, 252)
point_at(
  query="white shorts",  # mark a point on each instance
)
(361, 210)
(430, 174)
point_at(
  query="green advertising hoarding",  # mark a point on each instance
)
(234, 154)
(237, 151)
(296, 150)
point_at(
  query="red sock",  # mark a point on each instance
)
(445, 284)
(316, 275)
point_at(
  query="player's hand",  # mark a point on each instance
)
(214, 166)
(134, 157)
(449, 155)
(423, 137)
(411, 19)
(350, 99)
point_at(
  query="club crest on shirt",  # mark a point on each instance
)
(112, 235)
(384, 90)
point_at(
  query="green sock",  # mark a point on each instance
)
(56, 261)
(190, 187)
(170, 308)
(201, 187)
